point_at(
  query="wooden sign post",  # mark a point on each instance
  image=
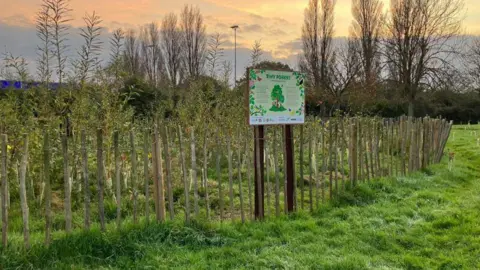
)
(274, 98)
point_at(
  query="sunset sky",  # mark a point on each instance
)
(277, 23)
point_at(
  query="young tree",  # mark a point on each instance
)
(256, 56)
(59, 16)
(171, 46)
(215, 53)
(42, 19)
(194, 40)
(366, 31)
(90, 51)
(419, 44)
(116, 47)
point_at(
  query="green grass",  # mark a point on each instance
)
(429, 220)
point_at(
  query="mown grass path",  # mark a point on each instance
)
(429, 220)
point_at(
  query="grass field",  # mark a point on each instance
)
(429, 220)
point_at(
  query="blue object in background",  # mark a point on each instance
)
(18, 85)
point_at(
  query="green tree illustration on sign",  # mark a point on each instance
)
(278, 99)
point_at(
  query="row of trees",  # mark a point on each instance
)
(390, 63)
(405, 54)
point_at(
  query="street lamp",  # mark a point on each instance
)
(235, 27)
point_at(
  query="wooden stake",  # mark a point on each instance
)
(118, 187)
(100, 169)
(194, 172)
(277, 174)
(302, 181)
(66, 182)
(219, 176)
(23, 192)
(230, 176)
(146, 174)
(134, 175)
(310, 171)
(86, 184)
(239, 166)
(185, 179)
(48, 189)
(4, 191)
(168, 170)
(205, 171)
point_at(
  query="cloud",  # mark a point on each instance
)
(252, 28)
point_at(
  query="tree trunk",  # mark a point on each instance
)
(86, 184)
(4, 186)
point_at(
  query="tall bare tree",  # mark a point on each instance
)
(420, 45)
(317, 34)
(44, 59)
(59, 13)
(366, 31)
(90, 51)
(194, 40)
(131, 53)
(151, 55)
(215, 53)
(171, 46)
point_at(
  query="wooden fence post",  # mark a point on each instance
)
(23, 192)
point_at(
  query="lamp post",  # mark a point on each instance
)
(235, 27)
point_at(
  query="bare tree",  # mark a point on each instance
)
(215, 53)
(131, 53)
(152, 62)
(194, 40)
(44, 50)
(342, 73)
(366, 30)
(257, 52)
(171, 46)
(420, 43)
(317, 34)
(59, 13)
(90, 51)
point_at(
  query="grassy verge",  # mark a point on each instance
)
(429, 220)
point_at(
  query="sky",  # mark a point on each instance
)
(276, 23)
